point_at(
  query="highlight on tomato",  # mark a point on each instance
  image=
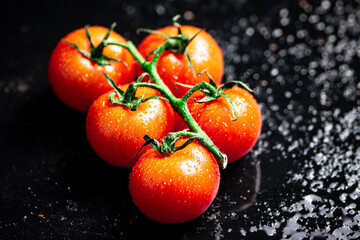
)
(77, 63)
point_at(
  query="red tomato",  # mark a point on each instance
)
(234, 138)
(116, 133)
(76, 79)
(177, 188)
(204, 52)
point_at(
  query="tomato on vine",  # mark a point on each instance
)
(175, 188)
(116, 131)
(234, 128)
(193, 51)
(78, 61)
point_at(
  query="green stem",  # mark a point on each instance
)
(179, 104)
(96, 52)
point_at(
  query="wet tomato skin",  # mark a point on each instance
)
(177, 188)
(204, 52)
(234, 138)
(76, 79)
(116, 133)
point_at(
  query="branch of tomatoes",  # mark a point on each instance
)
(178, 178)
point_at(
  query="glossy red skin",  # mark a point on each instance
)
(116, 133)
(76, 79)
(177, 188)
(234, 138)
(204, 52)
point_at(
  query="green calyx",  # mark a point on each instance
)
(177, 44)
(212, 92)
(167, 146)
(128, 98)
(96, 53)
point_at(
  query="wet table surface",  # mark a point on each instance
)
(301, 180)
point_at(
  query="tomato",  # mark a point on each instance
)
(116, 133)
(234, 138)
(176, 188)
(77, 80)
(204, 52)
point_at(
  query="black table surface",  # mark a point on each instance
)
(300, 181)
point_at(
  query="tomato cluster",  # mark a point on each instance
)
(167, 186)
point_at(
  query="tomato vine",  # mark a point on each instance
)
(178, 44)
(179, 104)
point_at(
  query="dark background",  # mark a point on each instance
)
(301, 181)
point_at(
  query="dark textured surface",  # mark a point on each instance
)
(301, 181)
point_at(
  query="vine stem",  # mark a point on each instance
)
(179, 104)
